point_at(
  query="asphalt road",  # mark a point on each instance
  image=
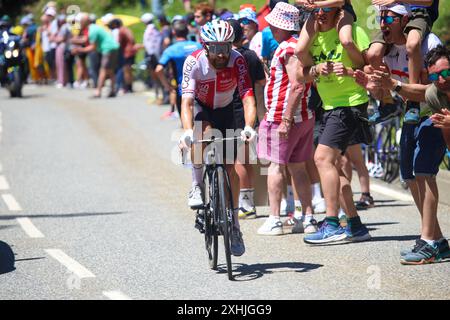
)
(93, 207)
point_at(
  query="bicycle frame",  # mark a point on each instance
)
(218, 211)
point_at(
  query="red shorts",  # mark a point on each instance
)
(298, 147)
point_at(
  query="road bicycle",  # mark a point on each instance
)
(446, 161)
(382, 156)
(216, 217)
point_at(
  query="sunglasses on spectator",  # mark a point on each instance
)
(435, 76)
(219, 48)
(326, 10)
(387, 19)
(245, 21)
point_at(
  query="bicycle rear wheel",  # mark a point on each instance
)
(225, 214)
(211, 238)
(390, 149)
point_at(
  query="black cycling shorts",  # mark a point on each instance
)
(223, 120)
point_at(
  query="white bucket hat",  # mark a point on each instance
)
(284, 16)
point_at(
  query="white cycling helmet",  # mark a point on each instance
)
(217, 31)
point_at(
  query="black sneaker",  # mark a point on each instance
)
(364, 203)
(444, 249)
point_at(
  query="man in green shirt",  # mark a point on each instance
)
(344, 101)
(102, 41)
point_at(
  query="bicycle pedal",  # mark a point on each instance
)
(200, 222)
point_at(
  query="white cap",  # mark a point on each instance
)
(107, 18)
(50, 12)
(147, 18)
(401, 9)
(177, 18)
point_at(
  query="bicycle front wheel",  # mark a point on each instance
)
(211, 238)
(211, 241)
(224, 204)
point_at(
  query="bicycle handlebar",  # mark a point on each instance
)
(214, 139)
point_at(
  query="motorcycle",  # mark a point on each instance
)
(12, 64)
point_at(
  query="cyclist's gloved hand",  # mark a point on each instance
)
(186, 139)
(248, 134)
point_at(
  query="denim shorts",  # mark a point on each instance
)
(422, 149)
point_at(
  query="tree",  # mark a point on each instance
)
(13, 8)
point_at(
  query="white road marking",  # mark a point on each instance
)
(4, 185)
(11, 202)
(70, 264)
(116, 295)
(29, 228)
(391, 193)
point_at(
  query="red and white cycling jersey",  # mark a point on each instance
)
(278, 87)
(211, 87)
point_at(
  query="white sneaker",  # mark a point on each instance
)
(84, 85)
(319, 205)
(271, 227)
(310, 227)
(195, 198)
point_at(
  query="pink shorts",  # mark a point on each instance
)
(298, 147)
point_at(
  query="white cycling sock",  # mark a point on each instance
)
(246, 199)
(197, 175)
(315, 189)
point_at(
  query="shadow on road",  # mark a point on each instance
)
(6, 258)
(60, 215)
(395, 238)
(380, 223)
(248, 272)
(385, 201)
(394, 205)
(6, 227)
(30, 259)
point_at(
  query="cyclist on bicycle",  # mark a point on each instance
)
(210, 77)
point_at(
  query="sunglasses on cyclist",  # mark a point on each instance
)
(387, 19)
(435, 76)
(326, 10)
(219, 48)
